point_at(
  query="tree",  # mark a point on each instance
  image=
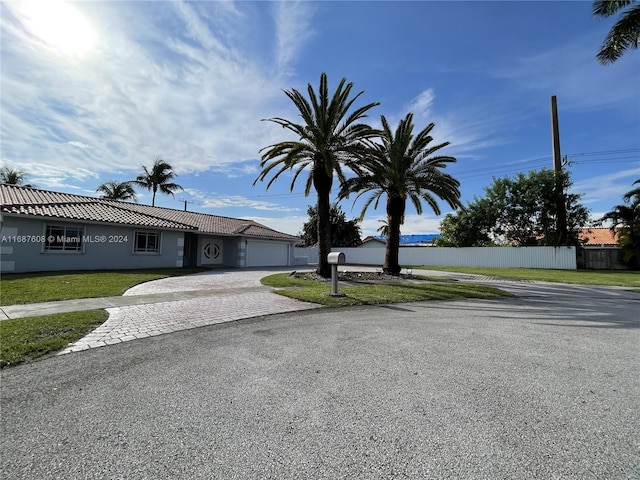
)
(113, 190)
(328, 139)
(625, 219)
(518, 211)
(624, 34)
(158, 178)
(13, 176)
(344, 233)
(470, 226)
(400, 167)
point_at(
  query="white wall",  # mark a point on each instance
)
(563, 258)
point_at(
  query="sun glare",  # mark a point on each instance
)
(60, 25)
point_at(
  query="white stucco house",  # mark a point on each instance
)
(49, 231)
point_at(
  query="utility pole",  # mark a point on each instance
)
(561, 206)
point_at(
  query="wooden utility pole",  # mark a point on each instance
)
(561, 217)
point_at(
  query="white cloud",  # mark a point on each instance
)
(293, 29)
(606, 187)
(466, 136)
(187, 94)
(291, 224)
(212, 200)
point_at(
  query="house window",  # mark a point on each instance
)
(146, 242)
(63, 238)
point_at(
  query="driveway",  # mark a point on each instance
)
(541, 386)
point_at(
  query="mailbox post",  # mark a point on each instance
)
(334, 259)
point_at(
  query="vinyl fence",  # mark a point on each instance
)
(563, 258)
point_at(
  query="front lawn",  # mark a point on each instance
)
(624, 278)
(367, 294)
(27, 339)
(20, 288)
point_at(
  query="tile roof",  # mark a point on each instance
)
(597, 236)
(43, 203)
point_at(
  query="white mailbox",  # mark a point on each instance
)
(336, 258)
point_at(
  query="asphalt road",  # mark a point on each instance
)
(544, 386)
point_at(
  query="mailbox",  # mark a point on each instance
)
(336, 258)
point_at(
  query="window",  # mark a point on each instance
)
(62, 238)
(146, 242)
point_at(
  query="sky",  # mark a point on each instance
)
(92, 91)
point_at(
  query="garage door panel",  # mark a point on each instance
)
(267, 254)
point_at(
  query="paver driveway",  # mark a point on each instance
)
(226, 295)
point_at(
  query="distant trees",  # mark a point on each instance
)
(624, 34)
(329, 139)
(158, 177)
(401, 167)
(344, 233)
(113, 190)
(13, 176)
(626, 219)
(517, 211)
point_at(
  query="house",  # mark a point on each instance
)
(405, 241)
(599, 249)
(49, 231)
(598, 237)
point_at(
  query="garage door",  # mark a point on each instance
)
(267, 254)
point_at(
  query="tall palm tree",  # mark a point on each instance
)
(13, 176)
(113, 190)
(329, 138)
(624, 34)
(401, 168)
(158, 178)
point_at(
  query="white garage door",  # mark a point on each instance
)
(267, 254)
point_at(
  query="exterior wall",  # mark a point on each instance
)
(563, 258)
(113, 251)
(372, 244)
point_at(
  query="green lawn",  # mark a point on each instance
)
(19, 288)
(318, 292)
(582, 277)
(27, 339)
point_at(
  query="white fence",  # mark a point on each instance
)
(563, 258)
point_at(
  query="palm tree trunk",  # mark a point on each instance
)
(153, 199)
(322, 183)
(395, 212)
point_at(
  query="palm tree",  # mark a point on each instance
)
(114, 190)
(13, 176)
(625, 220)
(328, 139)
(624, 34)
(401, 167)
(158, 178)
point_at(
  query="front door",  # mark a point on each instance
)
(211, 251)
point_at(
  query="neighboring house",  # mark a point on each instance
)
(599, 249)
(405, 241)
(48, 231)
(598, 237)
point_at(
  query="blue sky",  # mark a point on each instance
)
(91, 91)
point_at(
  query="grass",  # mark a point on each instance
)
(20, 288)
(27, 339)
(582, 277)
(368, 294)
